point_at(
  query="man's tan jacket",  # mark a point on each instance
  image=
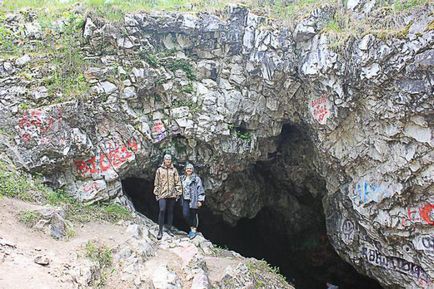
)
(167, 183)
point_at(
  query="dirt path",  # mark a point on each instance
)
(139, 260)
(17, 267)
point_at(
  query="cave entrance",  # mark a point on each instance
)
(292, 238)
(306, 259)
(140, 191)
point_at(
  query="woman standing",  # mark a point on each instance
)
(193, 198)
(167, 188)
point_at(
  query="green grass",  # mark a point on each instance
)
(332, 26)
(188, 88)
(260, 271)
(181, 64)
(150, 58)
(29, 218)
(403, 5)
(101, 254)
(281, 10)
(82, 213)
(6, 39)
(116, 9)
(70, 232)
(58, 55)
(16, 185)
(240, 133)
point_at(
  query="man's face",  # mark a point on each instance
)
(167, 162)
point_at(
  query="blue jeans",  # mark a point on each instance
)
(190, 215)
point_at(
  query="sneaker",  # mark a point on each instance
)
(192, 235)
(160, 235)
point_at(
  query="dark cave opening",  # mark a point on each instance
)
(306, 260)
(303, 252)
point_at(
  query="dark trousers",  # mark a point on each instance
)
(166, 205)
(190, 215)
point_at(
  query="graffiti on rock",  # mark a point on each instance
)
(347, 231)
(424, 242)
(35, 124)
(108, 156)
(423, 214)
(368, 191)
(374, 257)
(320, 109)
(89, 190)
(158, 131)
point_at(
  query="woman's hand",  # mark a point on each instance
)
(199, 204)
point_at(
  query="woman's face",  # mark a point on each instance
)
(189, 171)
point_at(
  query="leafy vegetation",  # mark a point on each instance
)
(29, 218)
(56, 52)
(79, 212)
(188, 88)
(150, 58)
(182, 64)
(259, 271)
(240, 133)
(101, 254)
(116, 9)
(30, 188)
(402, 5)
(193, 106)
(16, 185)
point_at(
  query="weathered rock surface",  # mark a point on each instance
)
(217, 91)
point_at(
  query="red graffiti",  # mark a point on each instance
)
(158, 131)
(37, 122)
(423, 214)
(427, 213)
(112, 156)
(88, 166)
(320, 110)
(94, 186)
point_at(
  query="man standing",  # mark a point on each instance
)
(167, 189)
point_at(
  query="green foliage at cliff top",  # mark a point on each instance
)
(115, 9)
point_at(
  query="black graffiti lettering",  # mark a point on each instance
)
(416, 271)
(365, 252)
(383, 261)
(391, 263)
(428, 242)
(395, 263)
(378, 258)
(404, 265)
(372, 254)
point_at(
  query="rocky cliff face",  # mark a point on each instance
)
(216, 90)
